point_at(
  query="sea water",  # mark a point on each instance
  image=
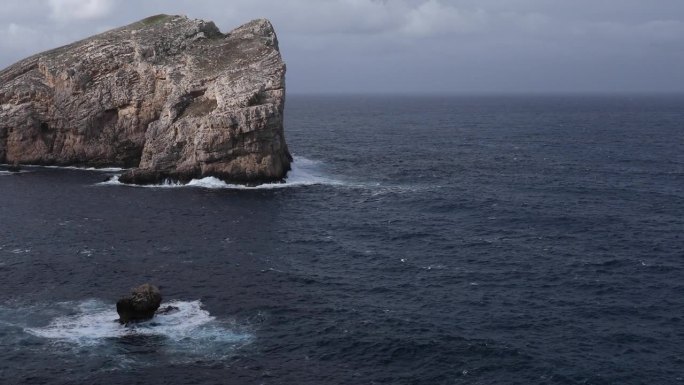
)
(417, 240)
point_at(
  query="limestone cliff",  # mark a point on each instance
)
(169, 96)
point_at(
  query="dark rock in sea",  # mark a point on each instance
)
(140, 305)
(169, 97)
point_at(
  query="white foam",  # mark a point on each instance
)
(304, 172)
(113, 181)
(102, 169)
(307, 172)
(6, 173)
(95, 323)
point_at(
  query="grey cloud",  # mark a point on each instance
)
(68, 10)
(412, 45)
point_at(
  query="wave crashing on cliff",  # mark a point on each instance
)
(304, 172)
(100, 169)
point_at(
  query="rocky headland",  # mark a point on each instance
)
(167, 97)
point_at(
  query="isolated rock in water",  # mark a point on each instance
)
(140, 305)
(170, 96)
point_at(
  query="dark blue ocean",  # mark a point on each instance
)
(418, 240)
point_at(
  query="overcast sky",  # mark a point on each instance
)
(427, 46)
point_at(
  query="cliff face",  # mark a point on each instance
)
(170, 96)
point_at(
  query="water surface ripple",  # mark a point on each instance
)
(421, 240)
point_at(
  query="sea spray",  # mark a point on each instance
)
(96, 322)
(305, 172)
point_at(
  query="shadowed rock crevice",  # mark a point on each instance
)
(47, 135)
(173, 97)
(3, 144)
(106, 120)
(194, 104)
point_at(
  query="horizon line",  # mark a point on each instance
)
(486, 93)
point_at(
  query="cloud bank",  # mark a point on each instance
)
(455, 46)
(68, 10)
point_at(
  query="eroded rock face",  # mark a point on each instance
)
(169, 96)
(140, 305)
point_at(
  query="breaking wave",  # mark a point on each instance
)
(102, 169)
(96, 323)
(7, 173)
(304, 172)
(71, 330)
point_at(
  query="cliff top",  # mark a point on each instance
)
(158, 39)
